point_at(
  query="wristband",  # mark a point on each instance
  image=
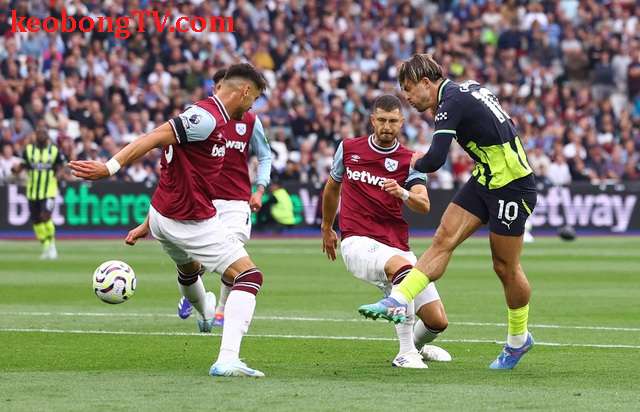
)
(113, 166)
(405, 195)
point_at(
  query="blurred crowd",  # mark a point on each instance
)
(568, 73)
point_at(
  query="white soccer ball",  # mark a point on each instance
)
(114, 282)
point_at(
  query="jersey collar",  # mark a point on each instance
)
(380, 149)
(441, 89)
(221, 108)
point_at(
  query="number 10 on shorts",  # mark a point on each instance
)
(509, 210)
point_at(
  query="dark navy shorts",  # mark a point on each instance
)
(505, 209)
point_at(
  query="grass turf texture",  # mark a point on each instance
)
(65, 350)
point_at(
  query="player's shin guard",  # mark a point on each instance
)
(225, 289)
(238, 313)
(192, 288)
(405, 330)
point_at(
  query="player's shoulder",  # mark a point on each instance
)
(354, 142)
(456, 96)
(215, 107)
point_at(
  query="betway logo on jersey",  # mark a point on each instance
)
(234, 144)
(217, 151)
(365, 177)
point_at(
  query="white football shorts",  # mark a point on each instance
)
(206, 241)
(235, 216)
(365, 258)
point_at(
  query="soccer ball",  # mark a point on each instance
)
(114, 282)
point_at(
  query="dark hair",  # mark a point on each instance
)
(219, 75)
(248, 72)
(387, 102)
(418, 67)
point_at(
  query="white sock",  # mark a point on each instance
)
(399, 297)
(422, 334)
(222, 300)
(237, 317)
(405, 332)
(197, 296)
(517, 341)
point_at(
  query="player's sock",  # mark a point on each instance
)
(192, 288)
(238, 313)
(423, 334)
(404, 330)
(40, 232)
(50, 230)
(414, 283)
(517, 330)
(225, 289)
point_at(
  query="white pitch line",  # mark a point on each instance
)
(275, 336)
(309, 319)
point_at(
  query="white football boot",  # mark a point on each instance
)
(411, 360)
(235, 368)
(52, 252)
(435, 354)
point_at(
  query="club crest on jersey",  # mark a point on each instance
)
(241, 128)
(390, 164)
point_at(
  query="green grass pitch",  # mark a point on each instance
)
(62, 349)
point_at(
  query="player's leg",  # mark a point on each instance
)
(456, 225)
(235, 216)
(396, 268)
(49, 227)
(247, 281)
(509, 212)
(38, 226)
(430, 323)
(171, 234)
(460, 220)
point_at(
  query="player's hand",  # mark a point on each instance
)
(416, 156)
(329, 243)
(89, 169)
(393, 188)
(137, 233)
(255, 202)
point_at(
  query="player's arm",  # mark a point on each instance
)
(259, 145)
(24, 164)
(195, 124)
(138, 232)
(447, 120)
(414, 194)
(95, 170)
(330, 199)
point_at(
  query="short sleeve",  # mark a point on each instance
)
(193, 125)
(337, 169)
(415, 178)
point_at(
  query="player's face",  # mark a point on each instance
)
(386, 125)
(41, 135)
(248, 96)
(421, 95)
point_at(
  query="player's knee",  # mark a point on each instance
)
(504, 271)
(248, 281)
(438, 324)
